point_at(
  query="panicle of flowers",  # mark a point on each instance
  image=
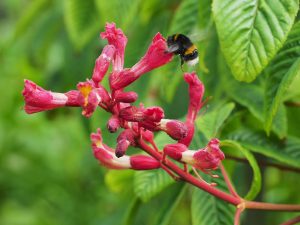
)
(138, 123)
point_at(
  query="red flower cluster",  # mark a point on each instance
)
(138, 123)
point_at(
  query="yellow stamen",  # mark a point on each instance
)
(85, 91)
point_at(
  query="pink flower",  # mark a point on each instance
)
(207, 158)
(155, 56)
(117, 38)
(196, 92)
(89, 98)
(102, 63)
(37, 99)
(107, 158)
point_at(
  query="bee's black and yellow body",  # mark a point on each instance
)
(180, 44)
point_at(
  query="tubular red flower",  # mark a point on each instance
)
(140, 114)
(37, 99)
(89, 98)
(105, 156)
(207, 158)
(205, 161)
(117, 38)
(196, 92)
(155, 56)
(121, 79)
(102, 63)
(214, 148)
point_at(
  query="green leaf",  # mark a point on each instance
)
(81, 21)
(131, 211)
(204, 13)
(207, 209)
(147, 184)
(167, 209)
(110, 11)
(251, 96)
(118, 181)
(252, 31)
(210, 123)
(31, 12)
(185, 17)
(281, 73)
(256, 181)
(287, 151)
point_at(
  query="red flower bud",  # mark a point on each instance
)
(175, 150)
(124, 140)
(102, 63)
(174, 128)
(121, 148)
(113, 124)
(143, 162)
(148, 136)
(190, 133)
(127, 97)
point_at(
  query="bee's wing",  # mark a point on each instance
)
(172, 48)
(199, 35)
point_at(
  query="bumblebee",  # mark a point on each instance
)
(179, 44)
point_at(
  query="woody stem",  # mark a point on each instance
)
(214, 191)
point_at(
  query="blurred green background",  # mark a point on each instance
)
(47, 171)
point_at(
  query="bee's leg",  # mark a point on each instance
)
(181, 64)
